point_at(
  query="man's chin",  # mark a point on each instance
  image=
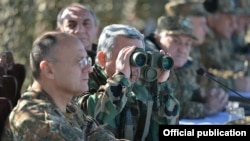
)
(179, 65)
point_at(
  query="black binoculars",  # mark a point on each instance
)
(149, 61)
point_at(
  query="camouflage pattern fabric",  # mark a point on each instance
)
(196, 57)
(187, 91)
(175, 25)
(227, 6)
(36, 117)
(222, 6)
(238, 41)
(110, 106)
(203, 82)
(182, 81)
(219, 58)
(188, 7)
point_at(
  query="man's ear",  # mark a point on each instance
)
(101, 58)
(47, 69)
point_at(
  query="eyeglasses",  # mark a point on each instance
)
(85, 61)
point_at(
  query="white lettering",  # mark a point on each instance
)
(166, 132)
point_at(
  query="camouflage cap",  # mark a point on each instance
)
(222, 6)
(227, 6)
(175, 25)
(188, 8)
(243, 6)
(177, 2)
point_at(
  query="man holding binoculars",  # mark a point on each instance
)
(134, 110)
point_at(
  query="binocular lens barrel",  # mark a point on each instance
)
(166, 63)
(149, 62)
(139, 59)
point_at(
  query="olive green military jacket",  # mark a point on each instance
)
(129, 110)
(187, 91)
(36, 117)
(220, 59)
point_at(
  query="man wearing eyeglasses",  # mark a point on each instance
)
(60, 69)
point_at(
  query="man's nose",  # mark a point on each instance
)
(87, 69)
(80, 29)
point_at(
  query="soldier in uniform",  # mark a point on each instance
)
(218, 54)
(193, 10)
(134, 113)
(242, 21)
(241, 48)
(218, 51)
(81, 21)
(60, 69)
(174, 34)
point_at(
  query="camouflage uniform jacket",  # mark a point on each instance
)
(219, 57)
(36, 117)
(121, 108)
(196, 64)
(187, 91)
(184, 84)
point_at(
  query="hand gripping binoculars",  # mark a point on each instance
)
(149, 61)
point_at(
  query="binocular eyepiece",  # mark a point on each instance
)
(150, 61)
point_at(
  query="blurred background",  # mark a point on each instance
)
(23, 20)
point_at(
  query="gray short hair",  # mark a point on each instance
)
(91, 11)
(109, 34)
